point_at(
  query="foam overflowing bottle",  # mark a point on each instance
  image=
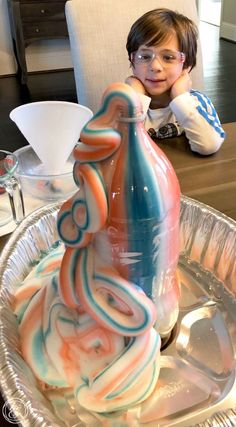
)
(143, 218)
(91, 317)
(135, 228)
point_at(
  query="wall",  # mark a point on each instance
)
(42, 55)
(210, 11)
(228, 20)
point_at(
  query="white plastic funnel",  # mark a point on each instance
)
(52, 128)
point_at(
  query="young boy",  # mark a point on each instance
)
(162, 47)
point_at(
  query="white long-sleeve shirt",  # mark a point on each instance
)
(191, 112)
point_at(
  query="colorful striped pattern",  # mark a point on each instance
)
(104, 294)
(207, 110)
(89, 325)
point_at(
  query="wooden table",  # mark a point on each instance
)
(211, 179)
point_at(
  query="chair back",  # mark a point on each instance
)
(98, 30)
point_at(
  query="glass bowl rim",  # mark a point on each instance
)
(40, 177)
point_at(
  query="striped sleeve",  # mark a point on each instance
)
(198, 117)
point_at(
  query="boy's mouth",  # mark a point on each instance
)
(155, 80)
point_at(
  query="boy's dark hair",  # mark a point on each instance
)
(156, 26)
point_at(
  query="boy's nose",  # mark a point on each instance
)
(156, 64)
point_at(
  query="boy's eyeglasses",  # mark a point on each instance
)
(167, 58)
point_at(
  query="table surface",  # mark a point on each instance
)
(209, 179)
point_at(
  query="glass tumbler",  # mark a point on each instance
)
(8, 166)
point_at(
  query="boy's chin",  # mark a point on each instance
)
(158, 91)
(161, 100)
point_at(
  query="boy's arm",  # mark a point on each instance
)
(197, 116)
(194, 112)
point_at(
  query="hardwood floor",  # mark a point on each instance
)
(219, 60)
(219, 63)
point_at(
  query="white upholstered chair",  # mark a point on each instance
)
(98, 31)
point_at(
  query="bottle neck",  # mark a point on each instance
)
(135, 119)
(137, 116)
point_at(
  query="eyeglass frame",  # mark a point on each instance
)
(157, 56)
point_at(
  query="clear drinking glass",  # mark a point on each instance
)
(8, 166)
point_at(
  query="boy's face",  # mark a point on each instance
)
(156, 76)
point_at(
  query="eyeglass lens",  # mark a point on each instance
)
(166, 57)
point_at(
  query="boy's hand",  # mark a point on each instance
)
(136, 84)
(181, 85)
